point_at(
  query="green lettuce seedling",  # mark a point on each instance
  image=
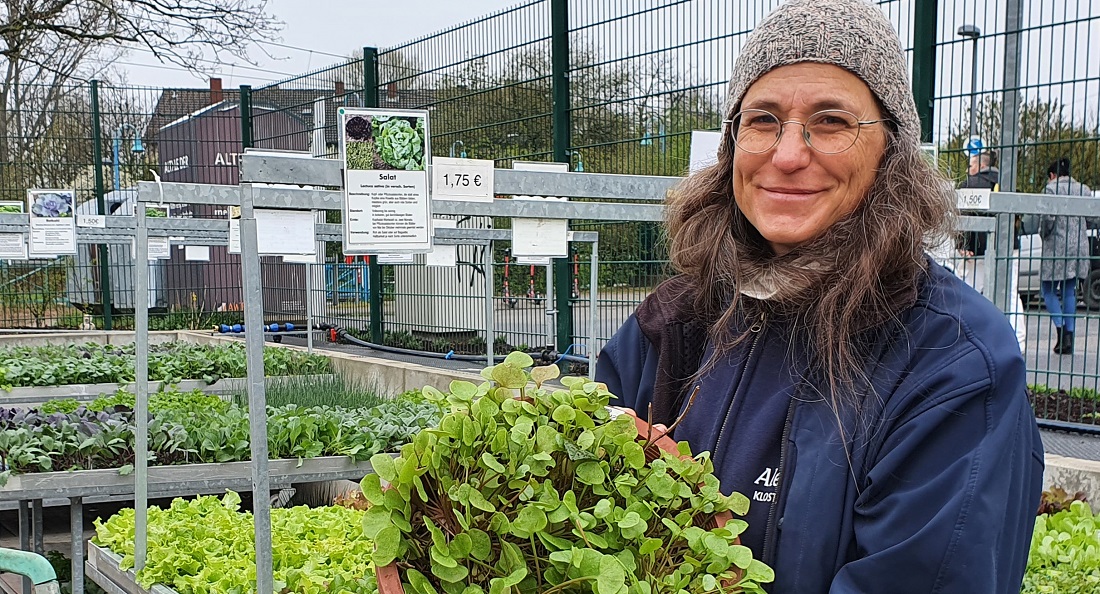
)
(526, 489)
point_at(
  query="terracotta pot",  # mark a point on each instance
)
(389, 578)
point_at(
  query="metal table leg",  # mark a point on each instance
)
(76, 528)
(25, 539)
(36, 509)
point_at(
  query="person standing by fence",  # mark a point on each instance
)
(1065, 256)
(973, 245)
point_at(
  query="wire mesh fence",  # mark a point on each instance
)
(1014, 80)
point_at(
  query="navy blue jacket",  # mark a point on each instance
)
(933, 487)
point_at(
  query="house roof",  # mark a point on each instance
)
(177, 105)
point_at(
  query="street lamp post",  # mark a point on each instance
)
(972, 32)
(116, 142)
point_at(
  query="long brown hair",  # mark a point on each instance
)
(840, 287)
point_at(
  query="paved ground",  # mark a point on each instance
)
(1072, 445)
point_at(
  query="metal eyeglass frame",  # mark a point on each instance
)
(805, 135)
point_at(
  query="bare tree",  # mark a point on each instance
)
(176, 31)
(49, 48)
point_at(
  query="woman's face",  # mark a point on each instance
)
(792, 193)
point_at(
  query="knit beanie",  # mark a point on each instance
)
(852, 34)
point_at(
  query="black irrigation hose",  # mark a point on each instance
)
(343, 334)
(543, 356)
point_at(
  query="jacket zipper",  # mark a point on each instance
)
(770, 529)
(756, 327)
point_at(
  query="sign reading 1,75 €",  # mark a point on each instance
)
(386, 156)
(462, 179)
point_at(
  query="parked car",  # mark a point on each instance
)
(1031, 251)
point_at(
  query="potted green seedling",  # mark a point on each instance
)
(523, 489)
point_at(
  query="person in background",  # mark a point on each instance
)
(1065, 256)
(981, 174)
(867, 401)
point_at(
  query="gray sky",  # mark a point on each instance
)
(326, 27)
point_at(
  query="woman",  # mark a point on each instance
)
(1065, 257)
(869, 403)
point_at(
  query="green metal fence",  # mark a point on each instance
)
(605, 85)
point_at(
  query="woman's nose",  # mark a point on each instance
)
(792, 152)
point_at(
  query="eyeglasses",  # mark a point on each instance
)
(830, 131)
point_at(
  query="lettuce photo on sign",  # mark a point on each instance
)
(359, 145)
(400, 142)
(52, 204)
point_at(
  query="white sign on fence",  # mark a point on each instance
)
(443, 255)
(196, 253)
(462, 179)
(160, 248)
(13, 246)
(386, 155)
(285, 232)
(704, 149)
(91, 220)
(540, 238)
(973, 198)
(53, 227)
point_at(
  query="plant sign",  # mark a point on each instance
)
(386, 154)
(53, 228)
(529, 490)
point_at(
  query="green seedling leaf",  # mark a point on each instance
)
(387, 545)
(519, 360)
(461, 545)
(371, 486)
(374, 520)
(383, 466)
(544, 373)
(480, 545)
(564, 414)
(590, 473)
(463, 389)
(740, 556)
(491, 463)
(509, 377)
(530, 521)
(419, 582)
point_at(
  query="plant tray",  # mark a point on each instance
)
(183, 479)
(82, 392)
(102, 568)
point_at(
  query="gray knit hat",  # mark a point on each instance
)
(852, 34)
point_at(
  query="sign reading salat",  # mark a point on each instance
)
(386, 158)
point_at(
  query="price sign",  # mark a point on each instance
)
(462, 179)
(87, 220)
(972, 198)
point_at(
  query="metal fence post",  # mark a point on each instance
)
(561, 128)
(924, 64)
(1009, 142)
(101, 203)
(252, 293)
(141, 385)
(246, 117)
(374, 270)
(1010, 105)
